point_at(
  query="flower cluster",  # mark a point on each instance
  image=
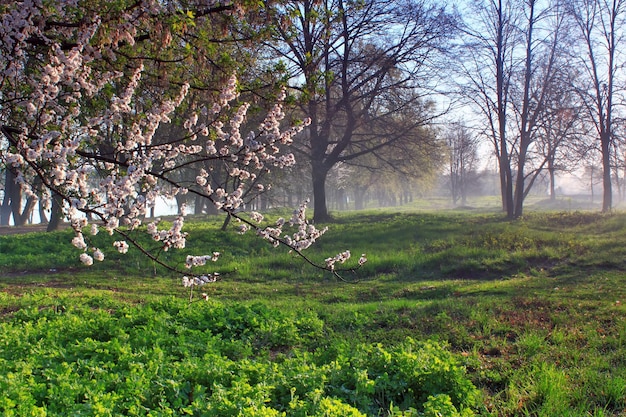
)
(97, 130)
(174, 237)
(86, 259)
(342, 258)
(307, 233)
(122, 246)
(189, 282)
(200, 260)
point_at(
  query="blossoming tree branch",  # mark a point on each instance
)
(104, 108)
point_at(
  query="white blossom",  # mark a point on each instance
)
(86, 259)
(98, 255)
(122, 246)
(79, 242)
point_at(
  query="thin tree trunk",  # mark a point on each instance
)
(359, 198)
(552, 181)
(198, 204)
(607, 200)
(15, 195)
(226, 222)
(26, 213)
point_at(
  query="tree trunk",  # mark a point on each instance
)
(552, 181)
(12, 202)
(454, 188)
(320, 212)
(506, 184)
(56, 214)
(198, 205)
(520, 186)
(607, 200)
(519, 193)
(181, 200)
(506, 177)
(359, 197)
(43, 217)
(15, 194)
(591, 183)
(5, 209)
(462, 183)
(26, 213)
(340, 199)
(226, 222)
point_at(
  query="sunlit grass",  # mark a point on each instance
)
(535, 307)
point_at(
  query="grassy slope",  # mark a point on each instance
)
(533, 306)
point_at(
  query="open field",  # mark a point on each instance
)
(456, 312)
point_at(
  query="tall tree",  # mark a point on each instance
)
(522, 50)
(397, 170)
(561, 130)
(463, 160)
(601, 28)
(486, 66)
(544, 33)
(355, 64)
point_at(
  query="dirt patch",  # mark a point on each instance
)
(8, 311)
(30, 272)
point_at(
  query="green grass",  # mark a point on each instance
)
(529, 312)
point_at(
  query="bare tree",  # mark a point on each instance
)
(355, 65)
(544, 34)
(600, 24)
(561, 130)
(398, 170)
(517, 50)
(485, 69)
(463, 161)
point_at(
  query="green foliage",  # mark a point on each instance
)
(168, 358)
(531, 312)
(407, 375)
